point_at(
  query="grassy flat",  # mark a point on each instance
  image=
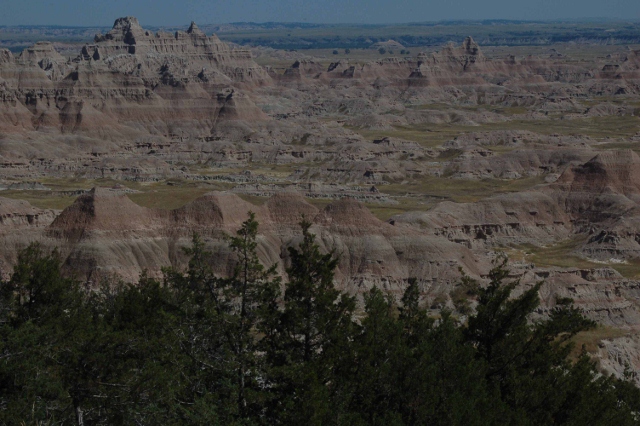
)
(460, 190)
(41, 199)
(434, 135)
(562, 255)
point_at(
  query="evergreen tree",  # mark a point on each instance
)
(375, 390)
(311, 335)
(313, 308)
(443, 383)
(44, 330)
(527, 361)
(245, 291)
(414, 319)
(199, 349)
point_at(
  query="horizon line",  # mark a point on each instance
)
(377, 24)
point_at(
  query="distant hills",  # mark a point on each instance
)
(302, 35)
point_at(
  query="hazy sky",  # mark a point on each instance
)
(177, 12)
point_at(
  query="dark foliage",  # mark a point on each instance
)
(194, 348)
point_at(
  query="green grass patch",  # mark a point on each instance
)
(461, 190)
(253, 199)
(319, 203)
(434, 135)
(498, 109)
(618, 145)
(385, 211)
(41, 199)
(562, 255)
(169, 197)
(630, 269)
(559, 254)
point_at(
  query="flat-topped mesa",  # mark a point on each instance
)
(126, 23)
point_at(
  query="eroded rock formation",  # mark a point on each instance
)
(143, 107)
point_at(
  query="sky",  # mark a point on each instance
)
(180, 12)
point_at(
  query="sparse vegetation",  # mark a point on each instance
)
(460, 190)
(562, 254)
(588, 340)
(170, 197)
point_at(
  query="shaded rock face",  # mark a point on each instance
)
(20, 223)
(461, 58)
(471, 47)
(620, 355)
(602, 294)
(602, 196)
(608, 177)
(6, 57)
(479, 163)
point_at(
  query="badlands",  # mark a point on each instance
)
(427, 166)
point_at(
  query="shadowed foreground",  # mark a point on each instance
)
(193, 348)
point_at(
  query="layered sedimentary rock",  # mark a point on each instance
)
(20, 223)
(104, 234)
(606, 185)
(184, 108)
(187, 97)
(602, 195)
(501, 221)
(129, 84)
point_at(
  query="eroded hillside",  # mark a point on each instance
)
(425, 166)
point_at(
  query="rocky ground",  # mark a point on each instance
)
(426, 166)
